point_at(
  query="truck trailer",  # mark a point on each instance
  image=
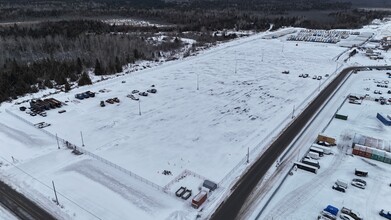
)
(199, 199)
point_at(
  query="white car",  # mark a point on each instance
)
(345, 217)
(360, 180)
(358, 184)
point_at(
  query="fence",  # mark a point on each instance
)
(82, 150)
(182, 175)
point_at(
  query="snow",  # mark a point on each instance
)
(5, 214)
(207, 112)
(307, 194)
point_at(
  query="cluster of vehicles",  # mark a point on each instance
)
(135, 95)
(85, 95)
(342, 186)
(110, 101)
(314, 77)
(322, 36)
(331, 213)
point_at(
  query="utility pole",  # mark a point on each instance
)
(58, 144)
(319, 86)
(293, 112)
(139, 107)
(82, 140)
(55, 193)
(248, 155)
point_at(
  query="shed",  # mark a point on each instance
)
(209, 185)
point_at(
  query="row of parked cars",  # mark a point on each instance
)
(331, 213)
(135, 94)
(314, 77)
(110, 101)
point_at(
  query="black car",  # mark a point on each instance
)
(338, 188)
(143, 94)
(152, 90)
(102, 104)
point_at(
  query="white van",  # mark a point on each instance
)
(313, 155)
(342, 183)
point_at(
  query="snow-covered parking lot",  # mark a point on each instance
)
(306, 194)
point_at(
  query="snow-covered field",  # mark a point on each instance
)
(242, 98)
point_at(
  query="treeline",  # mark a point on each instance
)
(346, 19)
(56, 53)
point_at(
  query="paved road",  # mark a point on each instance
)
(22, 207)
(230, 208)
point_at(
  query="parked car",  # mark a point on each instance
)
(351, 213)
(152, 90)
(358, 184)
(360, 173)
(346, 217)
(314, 77)
(22, 108)
(133, 97)
(301, 75)
(319, 77)
(143, 93)
(111, 101)
(135, 91)
(338, 188)
(116, 100)
(360, 180)
(385, 214)
(102, 104)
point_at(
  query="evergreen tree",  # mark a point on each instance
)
(67, 87)
(84, 79)
(98, 68)
(79, 66)
(118, 66)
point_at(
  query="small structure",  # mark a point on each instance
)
(386, 120)
(199, 199)
(209, 185)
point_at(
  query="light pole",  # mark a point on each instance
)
(248, 155)
(139, 107)
(82, 140)
(319, 85)
(58, 145)
(293, 112)
(55, 193)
